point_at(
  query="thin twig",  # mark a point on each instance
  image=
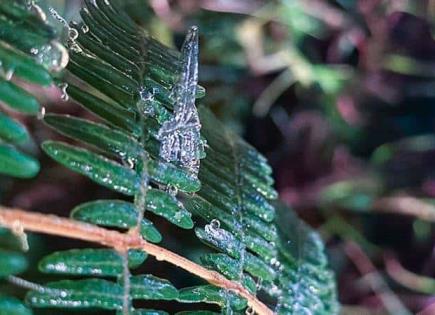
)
(409, 279)
(54, 225)
(375, 279)
(272, 92)
(406, 205)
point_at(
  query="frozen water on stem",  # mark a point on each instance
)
(145, 102)
(180, 136)
(72, 32)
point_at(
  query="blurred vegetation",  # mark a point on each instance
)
(340, 96)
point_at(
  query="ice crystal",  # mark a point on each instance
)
(180, 136)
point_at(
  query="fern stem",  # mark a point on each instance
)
(54, 225)
(126, 301)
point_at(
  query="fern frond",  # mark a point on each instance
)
(135, 86)
(28, 51)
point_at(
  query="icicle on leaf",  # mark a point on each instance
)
(180, 136)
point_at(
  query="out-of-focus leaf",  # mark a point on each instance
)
(17, 164)
(11, 263)
(12, 306)
(11, 130)
(17, 98)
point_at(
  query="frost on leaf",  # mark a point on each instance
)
(180, 136)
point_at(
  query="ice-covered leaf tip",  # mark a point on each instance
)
(180, 136)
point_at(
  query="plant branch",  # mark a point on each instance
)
(54, 225)
(406, 205)
(375, 279)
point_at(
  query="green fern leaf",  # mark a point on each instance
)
(213, 295)
(11, 263)
(28, 51)
(130, 80)
(117, 213)
(91, 262)
(13, 306)
(89, 293)
(148, 287)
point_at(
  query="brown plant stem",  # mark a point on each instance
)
(54, 225)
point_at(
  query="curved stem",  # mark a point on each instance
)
(54, 225)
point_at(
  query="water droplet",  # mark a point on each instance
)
(9, 74)
(63, 87)
(215, 224)
(250, 311)
(41, 113)
(145, 103)
(6, 73)
(259, 284)
(85, 28)
(72, 32)
(36, 9)
(18, 231)
(172, 190)
(130, 163)
(53, 56)
(178, 216)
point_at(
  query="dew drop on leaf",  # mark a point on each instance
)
(215, 224)
(36, 9)
(259, 284)
(145, 102)
(172, 190)
(63, 87)
(85, 28)
(249, 311)
(53, 56)
(9, 74)
(41, 113)
(73, 34)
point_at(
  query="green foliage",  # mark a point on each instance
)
(94, 262)
(12, 262)
(28, 51)
(12, 306)
(252, 241)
